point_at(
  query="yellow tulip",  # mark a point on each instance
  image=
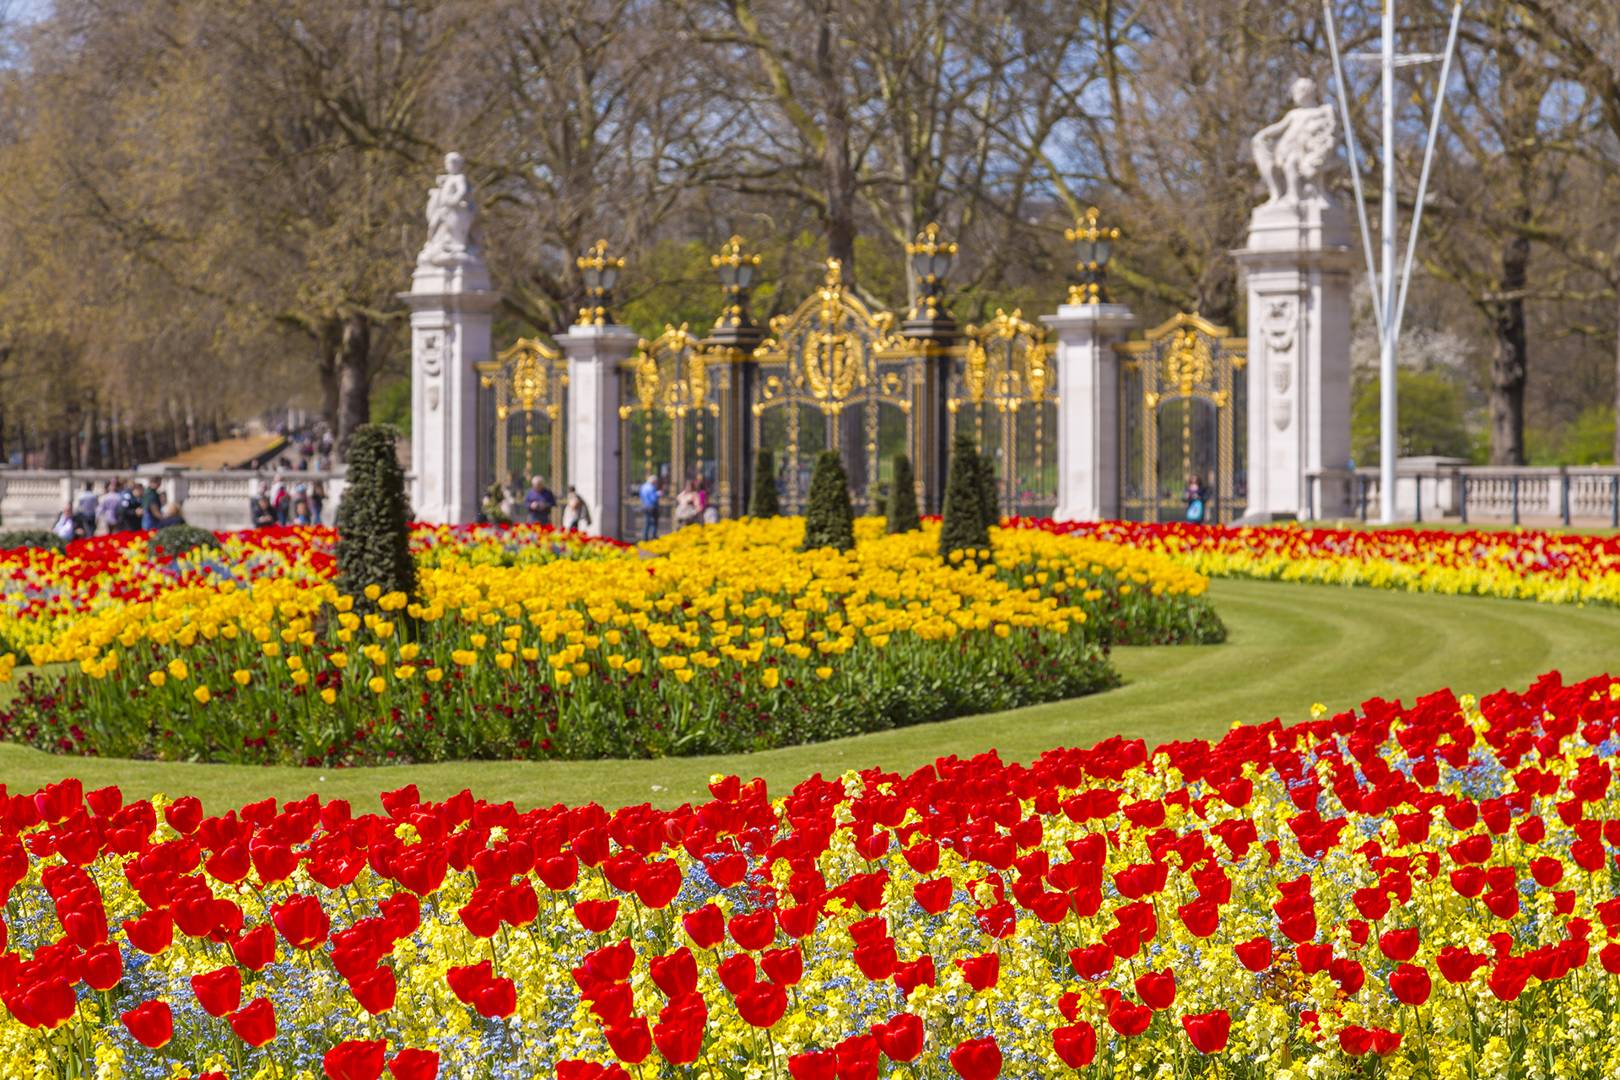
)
(242, 676)
(202, 695)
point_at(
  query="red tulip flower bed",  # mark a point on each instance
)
(1423, 890)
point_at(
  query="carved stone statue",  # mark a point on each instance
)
(451, 213)
(1292, 153)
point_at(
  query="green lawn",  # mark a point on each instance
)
(1291, 645)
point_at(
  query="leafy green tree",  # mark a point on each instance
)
(829, 521)
(373, 520)
(763, 501)
(963, 527)
(903, 515)
(1433, 417)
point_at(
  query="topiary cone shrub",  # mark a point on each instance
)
(763, 501)
(989, 497)
(373, 521)
(963, 527)
(829, 520)
(903, 516)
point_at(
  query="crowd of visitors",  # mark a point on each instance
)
(281, 503)
(117, 508)
(692, 505)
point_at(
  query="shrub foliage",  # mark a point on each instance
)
(829, 520)
(177, 540)
(30, 538)
(903, 515)
(763, 501)
(964, 528)
(373, 521)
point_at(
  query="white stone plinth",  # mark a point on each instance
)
(451, 310)
(1297, 272)
(1088, 409)
(594, 354)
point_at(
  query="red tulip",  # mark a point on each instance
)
(755, 931)
(658, 882)
(706, 926)
(1399, 944)
(1201, 917)
(900, 1037)
(762, 1004)
(631, 1041)
(184, 814)
(981, 972)
(1157, 989)
(977, 1059)
(813, 1065)
(218, 991)
(102, 966)
(596, 916)
(412, 1064)
(375, 991)
(497, 998)
(151, 933)
(785, 967)
(1129, 1018)
(1410, 984)
(1076, 1044)
(355, 1059)
(255, 1023)
(302, 921)
(1208, 1031)
(675, 973)
(934, 896)
(151, 1023)
(256, 949)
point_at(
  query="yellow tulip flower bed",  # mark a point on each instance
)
(728, 639)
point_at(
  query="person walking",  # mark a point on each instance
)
(84, 514)
(264, 515)
(151, 507)
(650, 498)
(1194, 498)
(539, 502)
(688, 507)
(110, 508)
(66, 527)
(576, 514)
(317, 499)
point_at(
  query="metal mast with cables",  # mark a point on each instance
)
(1388, 290)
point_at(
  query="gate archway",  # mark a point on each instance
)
(1183, 411)
(834, 375)
(1002, 386)
(669, 424)
(526, 403)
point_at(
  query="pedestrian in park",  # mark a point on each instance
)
(1194, 497)
(264, 515)
(129, 509)
(650, 498)
(688, 509)
(539, 502)
(66, 527)
(317, 499)
(84, 515)
(151, 507)
(171, 515)
(301, 513)
(110, 508)
(576, 515)
(280, 500)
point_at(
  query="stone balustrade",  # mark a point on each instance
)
(1429, 489)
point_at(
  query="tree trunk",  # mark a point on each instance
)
(330, 341)
(838, 172)
(354, 387)
(1510, 364)
(1617, 377)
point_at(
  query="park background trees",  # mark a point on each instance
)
(207, 206)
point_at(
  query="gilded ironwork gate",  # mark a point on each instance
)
(525, 406)
(670, 416)
(1183, 412)
(834, 375)
(1003, 387)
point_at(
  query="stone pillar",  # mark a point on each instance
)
(1297, 272)
(1088, 409)
(594, 353)
(452, 306)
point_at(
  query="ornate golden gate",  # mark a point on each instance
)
(1183, 410)
(670, 415)
(1003, 387)
(527, 387)
(834, 375)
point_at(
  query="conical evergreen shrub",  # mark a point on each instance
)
(903, 515)
(989, 497)
(373, 520)
(829, 519)
(963, 527)
(762, 501)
